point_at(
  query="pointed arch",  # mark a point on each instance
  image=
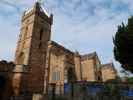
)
(21, 58)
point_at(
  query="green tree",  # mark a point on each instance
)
(123, 45)
(130, 79)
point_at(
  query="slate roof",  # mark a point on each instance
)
(59, 46)
(88, 56)
(108, 65)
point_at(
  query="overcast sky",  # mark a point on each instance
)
(80, 25)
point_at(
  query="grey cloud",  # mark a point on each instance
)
(83, 25)
(17, 8)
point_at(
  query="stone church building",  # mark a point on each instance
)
(39, 61)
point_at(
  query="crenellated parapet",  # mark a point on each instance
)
(39, 11)
(6, 66)
(6, 69)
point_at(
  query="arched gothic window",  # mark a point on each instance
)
(41, 34)
(21, 58)
(26, 31)
(40, 38)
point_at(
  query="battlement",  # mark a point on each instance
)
(38, 10)
(6, 66)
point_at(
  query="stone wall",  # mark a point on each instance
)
(88, 70)
(90, 66)
(108, 72)
(61, 60)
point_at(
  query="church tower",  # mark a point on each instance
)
(30, 57)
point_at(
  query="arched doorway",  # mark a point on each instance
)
(2, 85)
(2, 82)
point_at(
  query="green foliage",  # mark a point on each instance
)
(60, 98)
(123, 45)
(130, 80)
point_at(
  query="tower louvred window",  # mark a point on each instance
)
(40, 38)
(41, 34)
(21, 58)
